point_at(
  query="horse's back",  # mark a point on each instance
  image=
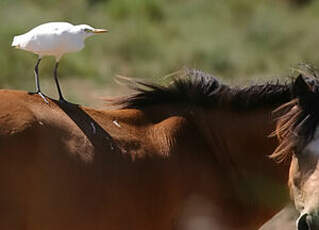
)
(68, 167)
(64, 166)
(49, 176)
(15, 115)
(18, 144)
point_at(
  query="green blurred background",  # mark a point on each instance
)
(233, 39)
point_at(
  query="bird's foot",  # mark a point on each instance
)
(63, 101)
(41, 95)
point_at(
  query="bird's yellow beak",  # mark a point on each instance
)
(99, 31)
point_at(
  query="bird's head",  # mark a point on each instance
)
(87, 31)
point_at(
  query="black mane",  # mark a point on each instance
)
(197, 88)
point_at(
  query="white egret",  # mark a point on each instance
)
(54, 39)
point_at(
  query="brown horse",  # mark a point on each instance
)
(190, 155)
(298, 134)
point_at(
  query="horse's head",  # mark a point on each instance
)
(298, 134)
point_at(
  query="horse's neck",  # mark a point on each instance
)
(240, 142)
(235, 139)
(237, 142)
(240, 137)
(240, 133)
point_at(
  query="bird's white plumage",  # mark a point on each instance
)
(54, 39)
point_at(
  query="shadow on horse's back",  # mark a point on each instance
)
(187, 156)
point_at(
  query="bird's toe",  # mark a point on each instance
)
(44, 97)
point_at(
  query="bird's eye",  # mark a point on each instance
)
(87, 30)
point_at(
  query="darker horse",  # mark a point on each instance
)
(190, 155)
(298, 134)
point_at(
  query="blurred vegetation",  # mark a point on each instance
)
(151, 38)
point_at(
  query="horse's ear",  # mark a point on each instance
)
(300, 87)
(303, 91)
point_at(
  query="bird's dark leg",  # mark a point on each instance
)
(36, 75)
(61, 98)
(37, 83)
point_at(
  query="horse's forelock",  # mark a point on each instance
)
(294, 129)
(287, 117)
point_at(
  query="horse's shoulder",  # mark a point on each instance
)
(140, 135)
(165, 136)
